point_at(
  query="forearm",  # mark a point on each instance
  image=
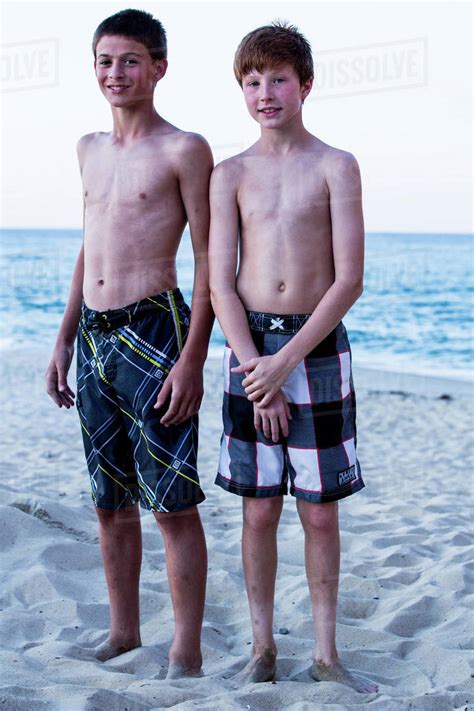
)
(72, 313)
(331, 309)
(230, 313)
(202, 315)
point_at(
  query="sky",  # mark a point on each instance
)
(393, 86)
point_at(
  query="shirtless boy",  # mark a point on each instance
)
(139, 356)
(290, 208)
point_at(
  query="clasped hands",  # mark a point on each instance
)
(264, 378)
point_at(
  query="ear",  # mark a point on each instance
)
(161, 65)
(306, 88)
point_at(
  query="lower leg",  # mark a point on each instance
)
(259, 555)
(322, 557)
(120, 543)
(186, 563)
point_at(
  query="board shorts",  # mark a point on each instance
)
(319, 454)
(123, 358)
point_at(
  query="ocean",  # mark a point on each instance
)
(415, 315)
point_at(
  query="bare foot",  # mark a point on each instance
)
(261, 667)
(178, 671)
(109, 650)
(337, 672)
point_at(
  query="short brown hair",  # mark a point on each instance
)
(270, 45)
(137, 25)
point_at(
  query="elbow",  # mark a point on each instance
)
(353, 288)
(358, 289)
(214, 293)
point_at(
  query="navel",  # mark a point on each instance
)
(142, 196)
(282, 287)
(101, 282)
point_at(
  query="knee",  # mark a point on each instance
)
(262, 514)
(319, 519)
(109, 518)
(177, 519)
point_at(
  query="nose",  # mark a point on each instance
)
(266, 91)
(115, 69)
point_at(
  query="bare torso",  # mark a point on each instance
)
(286, 259)
(134, 216)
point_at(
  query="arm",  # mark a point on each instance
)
(56, 374)
(343, 180)
(229, 309)
(223, 255)
(185, 381)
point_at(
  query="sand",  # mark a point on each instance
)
(404, 615)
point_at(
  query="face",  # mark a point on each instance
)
(275, 95)
(125, 70)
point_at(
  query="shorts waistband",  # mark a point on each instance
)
(276, 323)
(116, 318)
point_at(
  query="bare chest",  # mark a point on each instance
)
(277, 194)
(127, 180)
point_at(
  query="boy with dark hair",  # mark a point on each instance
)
(140, 355)
(287, 213)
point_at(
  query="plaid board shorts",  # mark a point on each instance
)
(123, 357)
(319, 454)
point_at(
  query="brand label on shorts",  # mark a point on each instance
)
(347, 475)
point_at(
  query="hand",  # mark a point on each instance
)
(185, 386)
(56, 376)
(273, 418)
(265, 376)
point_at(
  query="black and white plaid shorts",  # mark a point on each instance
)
(319, 455)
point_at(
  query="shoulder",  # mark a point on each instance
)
(228, 171)
(340, 165)
(188, 144)
(85, 142)
(89, 138)
(340, 168)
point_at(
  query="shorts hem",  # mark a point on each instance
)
(148, 507)
(111, 507)
(179, 507)
(250, 491)
(326, 497)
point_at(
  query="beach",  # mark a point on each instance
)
(404, 616)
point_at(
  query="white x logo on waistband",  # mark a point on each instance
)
(276, 323)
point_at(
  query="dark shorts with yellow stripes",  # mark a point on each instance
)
(123, 358)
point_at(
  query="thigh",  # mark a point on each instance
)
(249, 463)
(165, 457)
(323, 465)
(106, 444)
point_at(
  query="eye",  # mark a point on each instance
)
(253, 84)
(104, 62)
(130, 61)
(278, 80)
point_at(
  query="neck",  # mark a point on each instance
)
(134, 121)
(283, 140)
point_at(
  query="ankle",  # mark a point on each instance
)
(266, 650)
(185, 655)
(124, 638)
(329, 659)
